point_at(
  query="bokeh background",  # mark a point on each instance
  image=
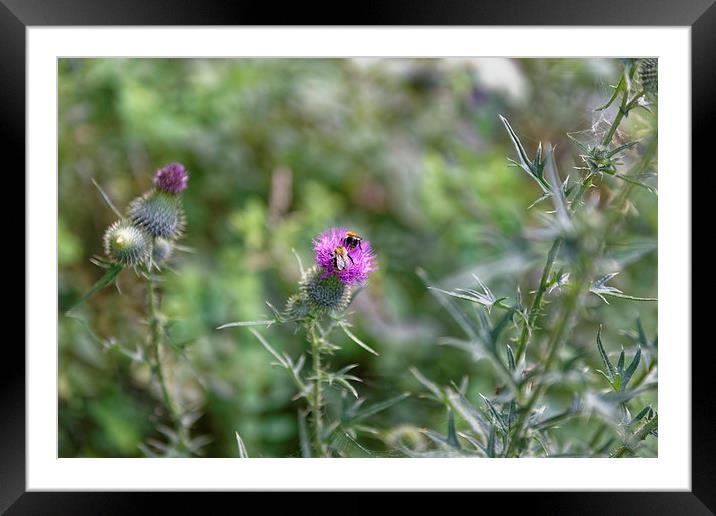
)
(409, 152)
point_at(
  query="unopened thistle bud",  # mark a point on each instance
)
(126, 244)
(159, 213)
(648, 74)
(162, 250)
(296, 307)
(322, 294)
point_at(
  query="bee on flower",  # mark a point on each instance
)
(344, 254)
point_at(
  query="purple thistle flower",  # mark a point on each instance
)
(172, 178)
(360, 264)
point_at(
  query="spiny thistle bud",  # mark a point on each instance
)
(160, 214)
(162, 250)
(345, 255)
(648, 73)
(323, 294)
(126, 244)
(172, 178)
(296, 307)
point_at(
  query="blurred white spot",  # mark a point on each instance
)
(503, 76)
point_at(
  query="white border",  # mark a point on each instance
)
(671, 470)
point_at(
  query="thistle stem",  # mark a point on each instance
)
(583, 187)
(316, 395)
(563, 327)
(621, 112)
(637, 437)
(536, 306)
(155, 340)
(617, 120)
(625, 106)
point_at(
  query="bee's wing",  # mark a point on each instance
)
(340, 263)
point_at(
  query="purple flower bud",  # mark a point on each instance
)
(172, 178)
(354, 268)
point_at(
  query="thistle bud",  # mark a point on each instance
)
(159, 213)
(126, 244)
(296, 307)
(324, 294)
(648, 74)
(162, 250)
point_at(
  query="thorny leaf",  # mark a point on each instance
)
(433, 388)
(559, 280)
(344, 327)
(485, 298)
(451, 433)
(601, 289)
(264, 322)
(534, 169)
(607, 363)
(109, 277)
(560, 202)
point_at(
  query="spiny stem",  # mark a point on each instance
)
(563, 327)
(583, 187)
(617, 120)
(637, 437)
(155, 339)
(316, 396)
(536, 306)
(625, 106)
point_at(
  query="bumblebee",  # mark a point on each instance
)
(340, 258)
(352, 240)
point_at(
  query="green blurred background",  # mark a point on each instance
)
(409, 152)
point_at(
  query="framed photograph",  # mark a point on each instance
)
(421, 249)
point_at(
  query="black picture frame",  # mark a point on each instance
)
(17, 15)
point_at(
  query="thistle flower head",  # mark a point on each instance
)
(354, 267)
(172, 178)
(126, 244)
(159, 213)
